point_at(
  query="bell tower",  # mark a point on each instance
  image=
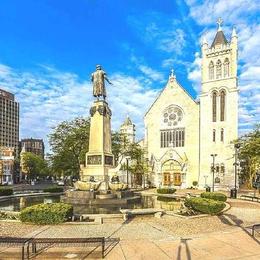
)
(218, 109)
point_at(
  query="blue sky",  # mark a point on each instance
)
(48, 50)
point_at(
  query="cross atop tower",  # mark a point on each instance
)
(219, 22)
(172, 72)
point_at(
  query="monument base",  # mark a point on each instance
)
(99, 197)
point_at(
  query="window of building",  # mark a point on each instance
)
(222, 105)
(214, 106)
(172, 116)
(214, 135)
(218, 70)
(211, 70)
(226, 68)
(222, 135)
(173, 138)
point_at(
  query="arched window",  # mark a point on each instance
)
(222, 105)
(222, 135)
(226, 68)
(218, 69)
(214, 106)
(214, 135)
(211, 70)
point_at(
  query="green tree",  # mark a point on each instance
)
(119, 145)
(34, 165)
(69, 144)
(249, 155)
(122, 147)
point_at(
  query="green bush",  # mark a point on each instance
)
(166, 190)
(207, 206)
(166, 199)
(214, 196)
(52, 213)
(6, 191)
(194, 183)
(53, 189)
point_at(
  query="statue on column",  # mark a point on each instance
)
(98, 79)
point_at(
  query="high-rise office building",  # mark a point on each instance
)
(9, 121)
(32, 145)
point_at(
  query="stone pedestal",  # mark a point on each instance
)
(99, 158)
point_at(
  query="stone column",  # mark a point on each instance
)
(99, 158)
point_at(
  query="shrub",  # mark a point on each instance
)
(53, 189)
(166, 190)
(207, 206)
(166, 199)
(52, 213)
(6, 191)
(214, 196)
(195, 183)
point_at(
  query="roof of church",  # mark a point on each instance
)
(160, 93)
(220, 38)
(127, 121)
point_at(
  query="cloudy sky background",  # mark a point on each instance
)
(48, 49)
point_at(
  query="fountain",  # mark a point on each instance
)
(99, 183)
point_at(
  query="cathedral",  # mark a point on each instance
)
(189, 141)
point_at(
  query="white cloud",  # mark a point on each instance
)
(206, 12)
(51, 96)
(151, 73)
(194, 72)
(162, 31)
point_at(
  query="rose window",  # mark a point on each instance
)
(172, 116)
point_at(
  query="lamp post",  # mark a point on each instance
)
(127, 166)
(237, 146)
(213, 169)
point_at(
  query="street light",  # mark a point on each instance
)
(213, 169)
(237, 146)
(127, 165)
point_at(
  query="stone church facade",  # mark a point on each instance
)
(184, 136)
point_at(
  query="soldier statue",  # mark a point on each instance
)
(98, 78)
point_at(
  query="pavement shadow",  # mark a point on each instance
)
(183, 241)
(110, 245)
(129, 220)
(232, 220)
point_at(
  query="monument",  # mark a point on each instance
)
(99, 183)
(99, 158)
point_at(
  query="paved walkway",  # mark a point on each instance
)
(227, 236)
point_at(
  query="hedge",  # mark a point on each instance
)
(214, 196)
(52, 213)
(6, 191)
(166, 199)
(207, 206)
(53, 189)
(166, 190)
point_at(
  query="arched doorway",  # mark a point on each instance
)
(171, 172)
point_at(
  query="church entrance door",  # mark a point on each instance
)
(166, 178)
(177, 178)
(171, 170)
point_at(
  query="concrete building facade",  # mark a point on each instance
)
(9, 121)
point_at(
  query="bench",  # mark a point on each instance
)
(254, 227)
(16, 242)
(131, 212)
(252, 198)
(96, 241)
